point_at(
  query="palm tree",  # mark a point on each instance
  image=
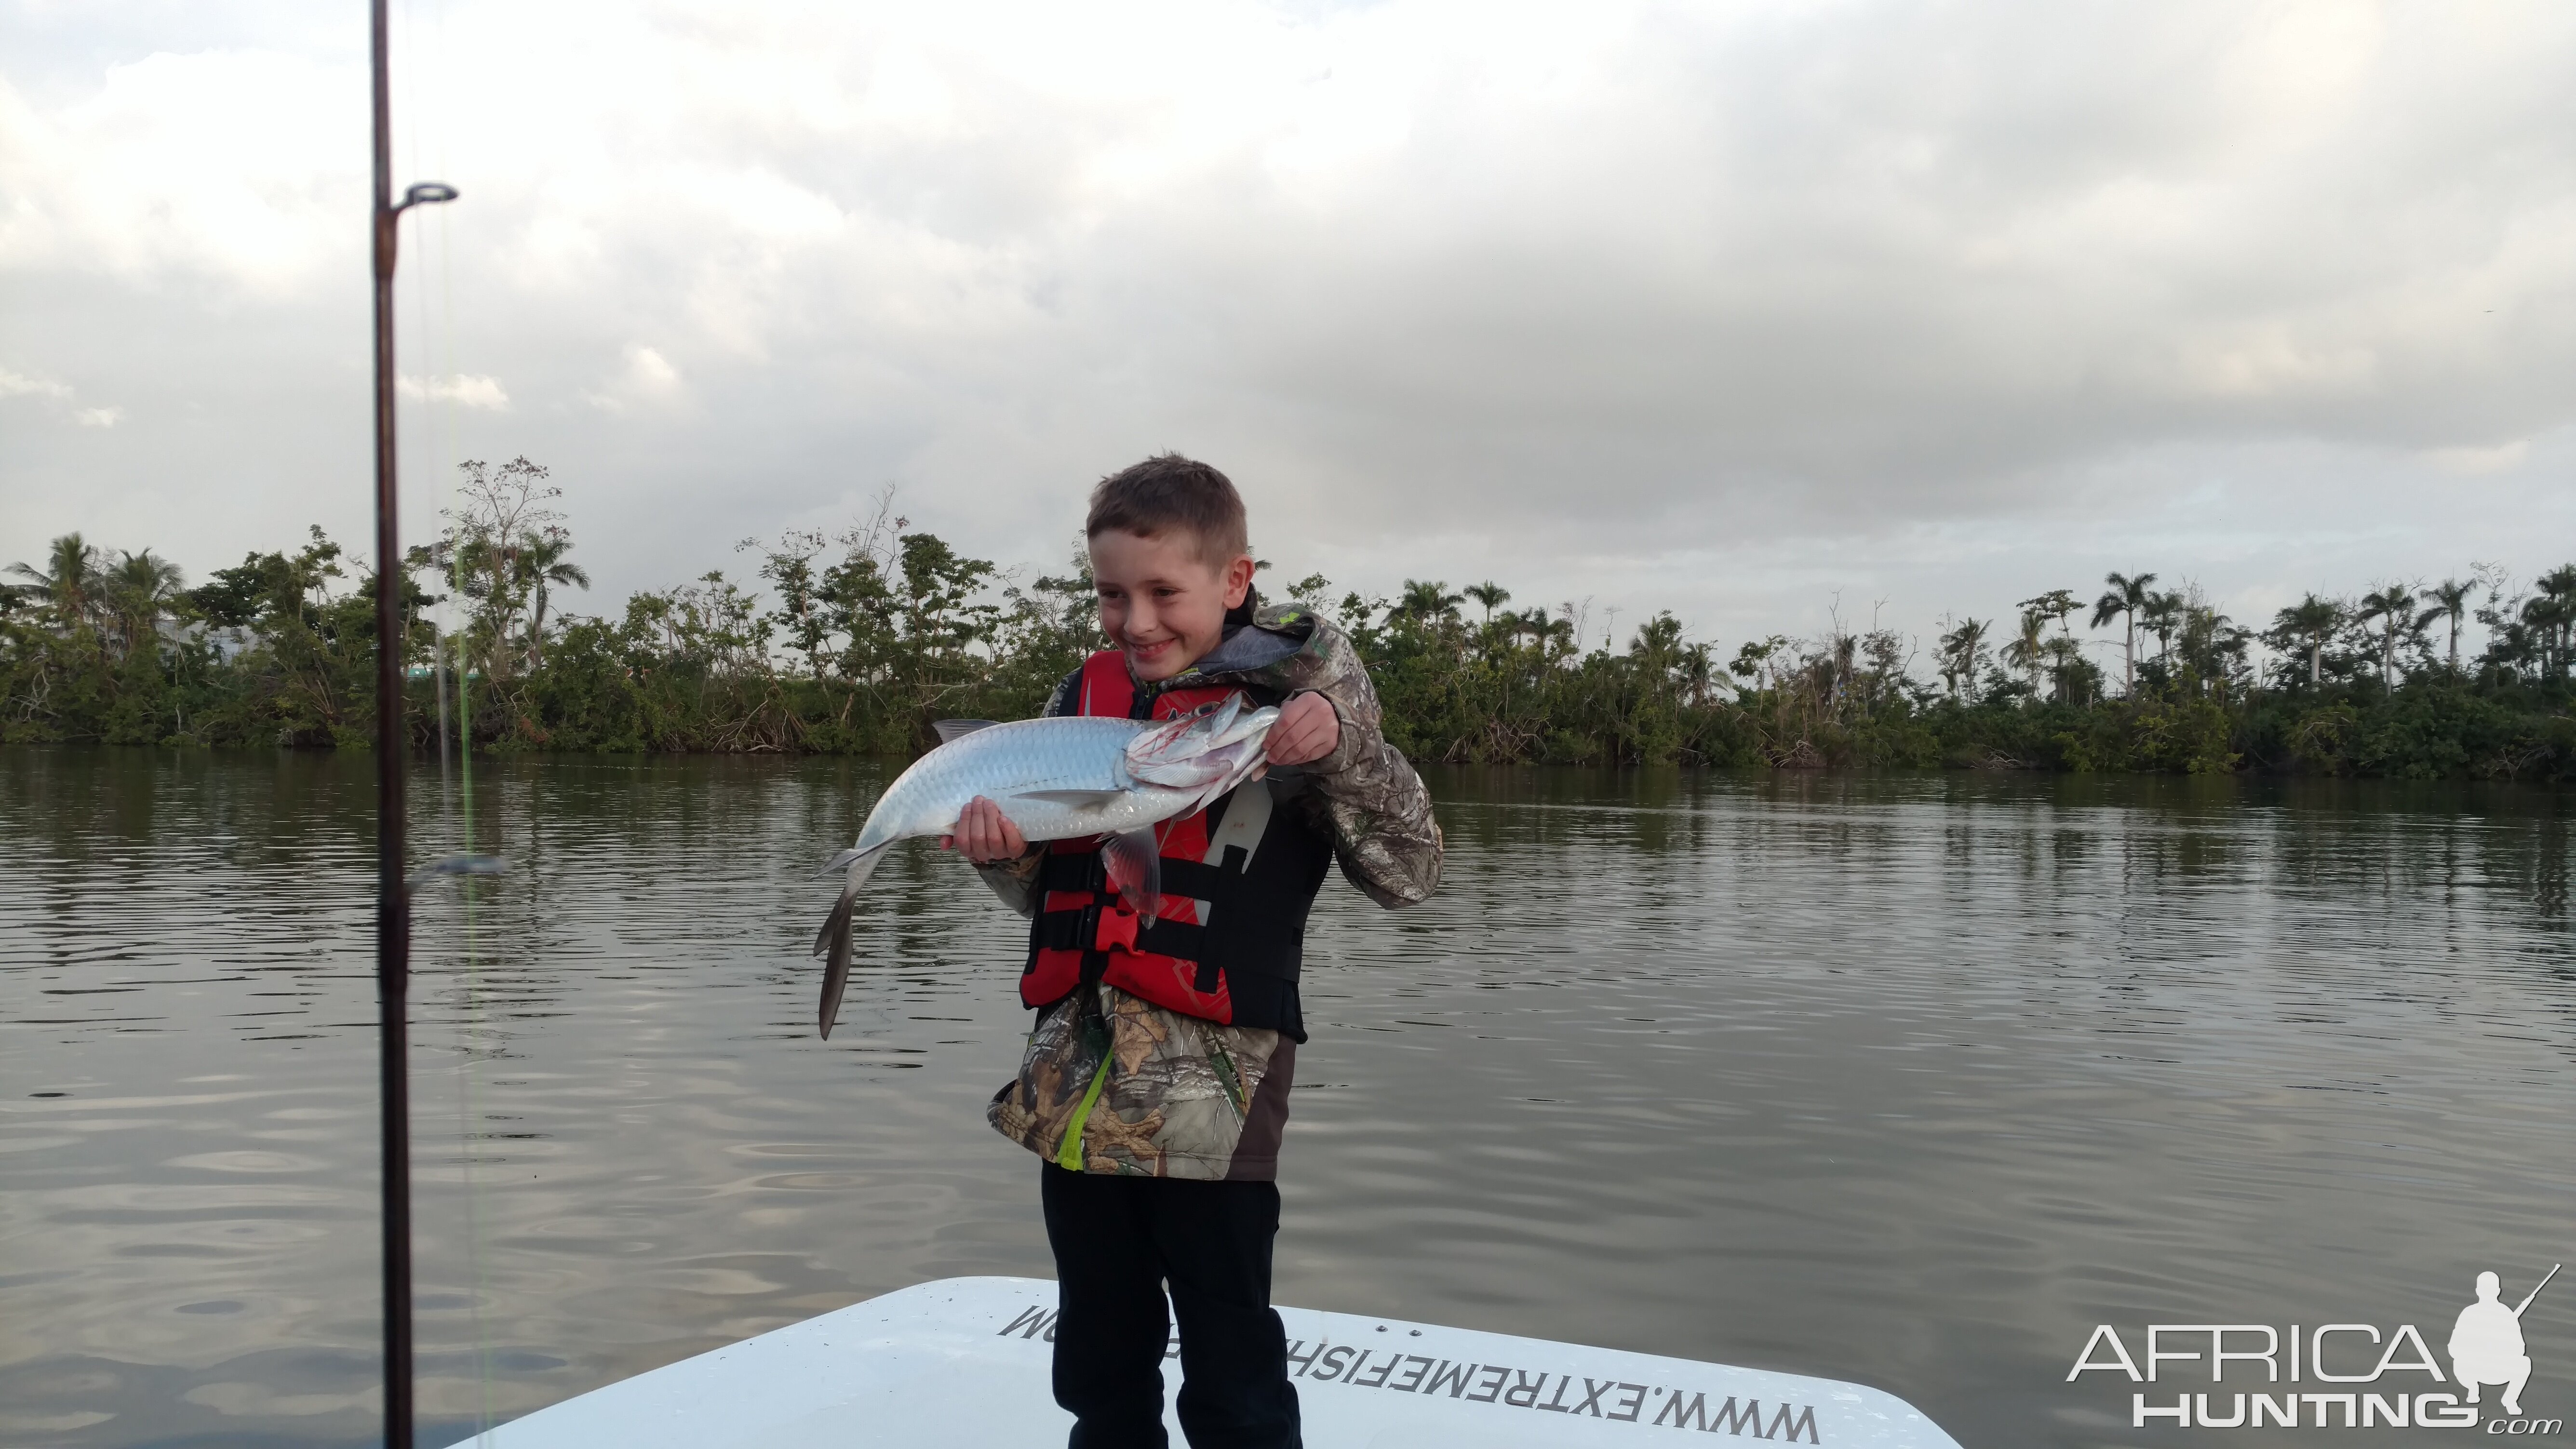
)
(2123, 600)
(2055, 606)
(1659, 638)
(138, 591)
(2067, 665)
(1697, 673)
(2028, 651)
(69, 581)
(2314, 620)
(1963, 652)
(2393, 607)
(1556, 633)
(1428, 601)
(2552, 615)
(2165, 615)
(1490, 594)
(2209, 641)
(542, 557)
(2450, 600)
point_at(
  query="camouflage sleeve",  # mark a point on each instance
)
(1365, 792)
(1015, 881)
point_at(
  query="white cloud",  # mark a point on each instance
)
(464, 390)
(2471, 462)
(57, 397)
(647, 378)
(18, 384)
(648, 372)
(1719, 303)
(236, 166)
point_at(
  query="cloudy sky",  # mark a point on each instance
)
(1733, 309)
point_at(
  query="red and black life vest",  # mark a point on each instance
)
(1238, 880)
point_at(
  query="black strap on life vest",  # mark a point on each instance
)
(1248, 932)
(1238, 962)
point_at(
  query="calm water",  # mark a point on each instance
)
(1911, 1081)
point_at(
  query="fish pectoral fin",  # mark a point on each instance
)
(950, 731)
(1135, 863)
(1078, 799)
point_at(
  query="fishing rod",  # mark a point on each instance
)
(393, 892)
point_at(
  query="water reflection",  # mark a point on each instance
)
(1904, 1079)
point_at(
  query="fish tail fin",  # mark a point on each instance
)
(832, 943)
(839, 863)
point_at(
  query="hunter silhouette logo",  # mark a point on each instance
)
(2362, 1378)
(2487, 1346)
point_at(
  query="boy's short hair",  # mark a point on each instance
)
(1166, 493)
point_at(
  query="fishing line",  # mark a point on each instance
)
(475, 1027)
(439, 441)
(432, 415)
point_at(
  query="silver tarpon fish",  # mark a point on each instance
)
(1056, 779)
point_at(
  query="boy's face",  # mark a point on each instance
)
(1160, 601)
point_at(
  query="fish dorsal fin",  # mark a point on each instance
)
(1078, 799)
(950, 731)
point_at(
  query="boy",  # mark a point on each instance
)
(1155, 1085)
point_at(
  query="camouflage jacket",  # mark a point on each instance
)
(1177, 1096)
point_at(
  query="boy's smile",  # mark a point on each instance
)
(1160, 601)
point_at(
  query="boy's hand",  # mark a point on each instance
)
(984, 834)
(1308, 730)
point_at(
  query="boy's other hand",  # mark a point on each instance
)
(983, 834)
(1308, 730)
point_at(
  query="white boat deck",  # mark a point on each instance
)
(962, 1363)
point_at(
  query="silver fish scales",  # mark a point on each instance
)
(1056, 779)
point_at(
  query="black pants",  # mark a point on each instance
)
(1118, 1241)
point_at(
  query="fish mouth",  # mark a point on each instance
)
(1219, 741)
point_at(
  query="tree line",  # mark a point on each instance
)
(855, 640)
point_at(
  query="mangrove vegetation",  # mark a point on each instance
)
(854, 641)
